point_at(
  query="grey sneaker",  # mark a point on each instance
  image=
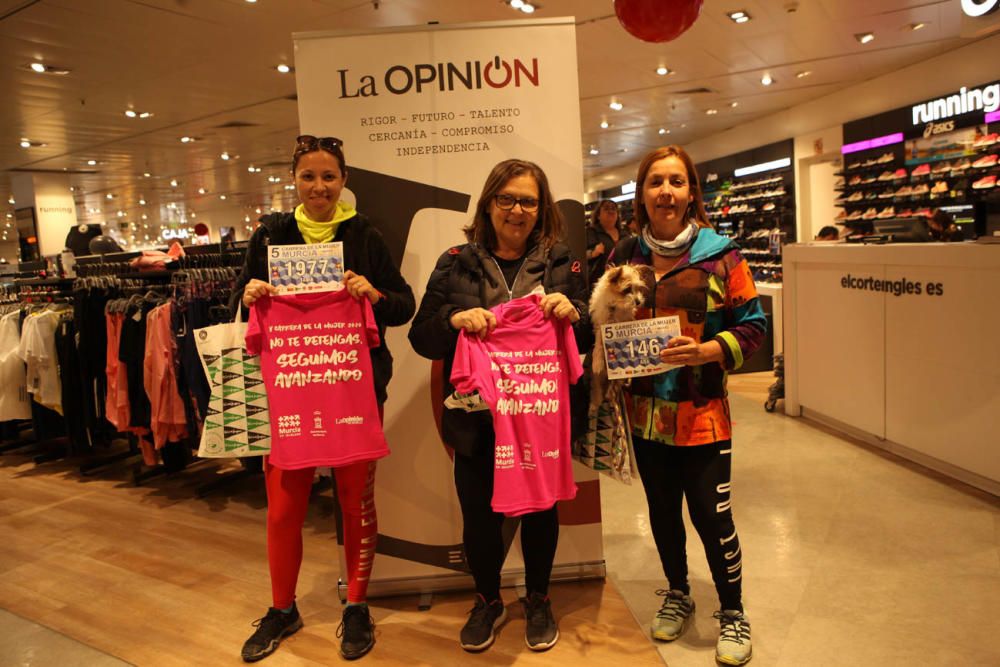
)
(669, 622)
(734, 638)
(484, 619)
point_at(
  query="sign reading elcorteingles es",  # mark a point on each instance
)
(901, 287)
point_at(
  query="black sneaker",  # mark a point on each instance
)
(275, 626)
(480, 630)
(357, 632)
(541, 632)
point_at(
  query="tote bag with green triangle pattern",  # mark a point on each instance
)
(237, 423)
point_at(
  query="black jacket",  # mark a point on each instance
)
(466, 277)
(365, 253)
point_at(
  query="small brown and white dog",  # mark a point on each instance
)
(616, 296)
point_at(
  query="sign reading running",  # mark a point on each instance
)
(424, 113)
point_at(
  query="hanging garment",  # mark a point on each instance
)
(168, 421)
(38, 350)
(14, 400)
(523, 370)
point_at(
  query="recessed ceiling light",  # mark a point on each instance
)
(593, 150)
(25, 143)
(109, 196)
(663, 131)
(616, 105)
(739, 17)
(10, 200)
(142, 202)
(252, 1)
(92, 163)
(37, 67)
(803, 74)
(516, 4)
(145, 217)
(766, 79)
(201, 191)
(173, 182)
(145, 114)
(734, 104)
(222, 197)
(41, 68)
(662, 71)
(528, 8)
(131, 113)
(917, 26)
(864, 37)
(711, 112)
(224, 156)
(146, 174)
(283, 68)
(604, 124)
(187, 140)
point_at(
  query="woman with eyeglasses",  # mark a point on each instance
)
(514, 247)
(603, 232)
(320, 173)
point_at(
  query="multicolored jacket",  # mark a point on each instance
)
(712, 291)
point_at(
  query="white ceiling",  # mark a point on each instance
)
(205, 68)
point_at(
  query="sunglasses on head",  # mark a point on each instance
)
(307, 142)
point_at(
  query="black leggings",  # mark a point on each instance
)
(484, 530)
(701, 474)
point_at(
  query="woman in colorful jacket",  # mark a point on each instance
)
(680, 419)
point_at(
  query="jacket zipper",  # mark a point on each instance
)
(510, 288)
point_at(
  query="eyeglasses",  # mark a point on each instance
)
(506, 202)
(305, 143)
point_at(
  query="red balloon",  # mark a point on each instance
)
(657, 20)
(201, 229)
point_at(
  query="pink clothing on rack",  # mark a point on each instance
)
(523, 370)
(167, 417)
(117, 414)
(152, 260)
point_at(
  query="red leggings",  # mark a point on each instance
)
(287, 502)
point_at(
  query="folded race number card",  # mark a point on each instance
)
(632, 349)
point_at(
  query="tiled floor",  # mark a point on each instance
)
(851, 557)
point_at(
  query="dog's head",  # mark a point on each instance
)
(618, 293)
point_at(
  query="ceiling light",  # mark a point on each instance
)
(25, 143)
(120, 214)
(739, 17)
(187, 140)
(145, 114)
(663, 131)
(92, 163)
(528, 8)
(142, 202)
(662, 71)
(803, 74)
(222, 197)
(201, 191)
(917, 26)
(252, 1)
(173, 182)
(131, 113)
(864, 37)
(225, 155)
(146, 174)
(766, 79)
(37, 67)
(616, 105)
(711, 112)
(289, 187)
(10, 200)
(734, 104)
(145, 217)
(283, 68)
(593, 150)
(604, 124)
(517, 4)
(41, 68)
(109, 196)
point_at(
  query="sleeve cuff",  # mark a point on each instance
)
(731, 349)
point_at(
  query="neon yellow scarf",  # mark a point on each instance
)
(322, 232)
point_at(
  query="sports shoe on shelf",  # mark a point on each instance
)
(985, 161)
(899, 174)
(888, 212)
(854, 165)
(921, 170)
(670, 621)
(904, 191)
(356, 631)
(839, 183)
(855, 196)
(941, 168)
(871, 194)
(769, 206)
(985, 182)
(870, 214)
(885, 176)
(939, 188)
(921, 189)
(905, 213)
(540, 631)
(479, 631)
(856, 215)
(887, 194)
(986, 140)
(885, 157)
(733, 647)
(855, 180)
(961, 166)
(271, 629)
(841, 216)
(868, 179)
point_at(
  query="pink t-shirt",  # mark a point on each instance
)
(523, 371)
(318, 377)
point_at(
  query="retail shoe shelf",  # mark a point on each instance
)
(880, 187)
(758, 213)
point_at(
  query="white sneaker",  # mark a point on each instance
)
(734, 646)
(669, 622)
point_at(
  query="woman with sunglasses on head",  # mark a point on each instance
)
(514, 247)
(681, 428)
(320, 174)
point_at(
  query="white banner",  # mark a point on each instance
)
(424, 114)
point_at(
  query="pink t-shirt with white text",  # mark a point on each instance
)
(523, 370)
(318, 376)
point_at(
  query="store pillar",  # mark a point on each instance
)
(45, 213)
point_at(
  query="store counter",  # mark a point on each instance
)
(898, 345)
